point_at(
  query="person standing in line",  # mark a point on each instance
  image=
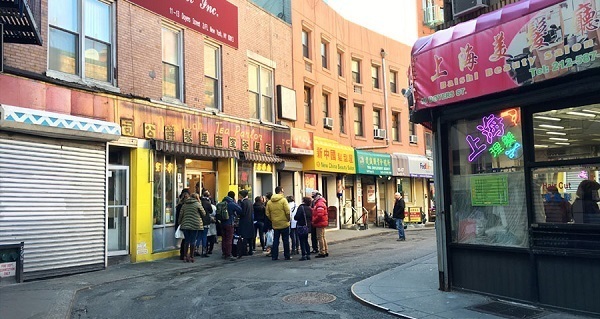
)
(212, 229)
(232, 209)
(278, 212)
(190, 220)
(398, 215)
(303, 218)
(293, 234)
(585, 206)
(202, 243)
(185, 194)
(259, 222)
(246, 226)
(320, 220)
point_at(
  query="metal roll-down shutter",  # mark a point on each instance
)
(52, 197)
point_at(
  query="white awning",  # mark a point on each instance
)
(419, 166)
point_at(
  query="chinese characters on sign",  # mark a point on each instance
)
(149, 130)
(127, 127)
(169, 133)
(495, 134)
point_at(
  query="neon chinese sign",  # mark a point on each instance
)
(494, 136)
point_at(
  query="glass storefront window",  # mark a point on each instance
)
(571, 133)
(488, 204)
(566, 194)
(164, 195)
(158, 191)
(245, 174)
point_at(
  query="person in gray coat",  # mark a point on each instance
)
(246, 225)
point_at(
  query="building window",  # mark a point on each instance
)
(411, 128)
(340, 58)
(355, 71)
(308, 105)
(487, 180)
(305, 44)
(260, 87)
(396, 126)
(324, 54)
(375, 76)
(171, 56)
(358, 120)
(212, 76)
(342, 115)
(80, 39)
(165, 169)
(393, 81)
(325, 105)
(428, 144)
(376, 119)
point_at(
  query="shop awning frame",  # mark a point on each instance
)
(415, 168)
(261, 157)
(193, 150)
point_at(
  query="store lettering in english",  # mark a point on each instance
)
(559, 185)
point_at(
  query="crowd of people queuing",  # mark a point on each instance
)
(273, 218)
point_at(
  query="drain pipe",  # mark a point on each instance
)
(385, 97)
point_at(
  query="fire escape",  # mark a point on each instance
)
(21, 20)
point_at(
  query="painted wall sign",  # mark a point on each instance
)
(521, 44)
(217, 19)
(496, 135)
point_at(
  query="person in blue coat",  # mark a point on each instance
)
(233, 209)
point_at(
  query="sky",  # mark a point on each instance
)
(396, 19)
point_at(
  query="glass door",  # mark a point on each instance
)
(118, 210)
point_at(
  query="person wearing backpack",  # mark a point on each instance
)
(227, 210)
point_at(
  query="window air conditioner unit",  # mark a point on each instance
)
(328, 123)
(412, 139)
(379, 134)
(461, 7)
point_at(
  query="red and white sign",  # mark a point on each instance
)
(8, 269)
(217, 19)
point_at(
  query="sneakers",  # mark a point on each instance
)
(320, 256)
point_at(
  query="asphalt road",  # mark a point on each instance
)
(257, 287)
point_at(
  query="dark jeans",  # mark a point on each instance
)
(303, 243)
(313, 238)
(285, 235)
(190, 238)
(260, 228)
(294, 237)
(227, 240)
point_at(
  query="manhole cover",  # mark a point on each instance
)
(309, 298)
(506, 310)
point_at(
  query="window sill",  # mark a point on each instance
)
(326, 70)
(309, 126)
(395, 93)
(173, 103)
(86, 82)
(360, 138)
(341, 78)
(377, 89)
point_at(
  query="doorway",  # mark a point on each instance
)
(202, 179)
(118, 210)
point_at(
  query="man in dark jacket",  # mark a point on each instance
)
(246, 227)
(398, 215)
(233, 209)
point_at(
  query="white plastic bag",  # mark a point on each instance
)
(270, 238)
(179, 233)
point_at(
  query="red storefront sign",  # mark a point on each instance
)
(521, 44)
(224, 134)
(217, 19)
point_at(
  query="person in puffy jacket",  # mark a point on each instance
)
(278, 212)
(303, 218)
(320, 220)
(190, 220)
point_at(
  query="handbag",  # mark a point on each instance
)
(302, 230)
(269, 238)
(179, 233)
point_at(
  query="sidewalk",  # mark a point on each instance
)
(411, 291)
(52, 298)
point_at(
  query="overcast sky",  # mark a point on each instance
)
(396, 19)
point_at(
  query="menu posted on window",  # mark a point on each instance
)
(489, 190)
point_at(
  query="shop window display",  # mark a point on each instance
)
(488, 204)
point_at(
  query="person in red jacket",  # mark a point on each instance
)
(320, 220)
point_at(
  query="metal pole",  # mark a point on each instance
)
(385, 97)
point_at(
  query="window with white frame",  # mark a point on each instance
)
(212, 76)
(340, 63)
(325, 54)
(375, 76)
(260, 86)
(172, 66)
(358, 120)
(305, 44)
(80, 38)
(393, 81)
(356, 71)
(376, 118)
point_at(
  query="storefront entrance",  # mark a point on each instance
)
(118, 210)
